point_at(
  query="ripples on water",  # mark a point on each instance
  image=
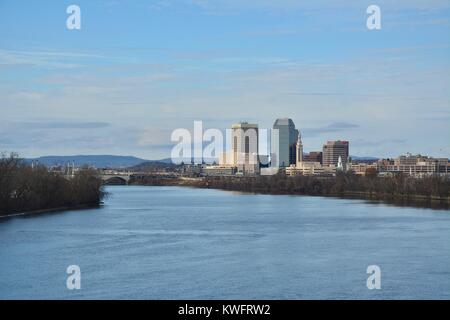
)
(184, 243)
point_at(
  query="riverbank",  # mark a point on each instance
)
(26, 189)
(50, 210)
(401, 191)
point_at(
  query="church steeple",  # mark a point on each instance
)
(299, 149)
(340, 166)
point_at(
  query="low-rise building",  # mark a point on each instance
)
(191, 170)
(310, 169)
(361, 168)
(219, 170)
(414, 165)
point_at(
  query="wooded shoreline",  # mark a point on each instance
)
(27, 189)
(430, 192)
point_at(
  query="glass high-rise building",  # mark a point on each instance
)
(283, 143)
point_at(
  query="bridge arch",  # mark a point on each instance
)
(115, 181)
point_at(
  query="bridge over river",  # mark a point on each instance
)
(123, 178)
(119, 178)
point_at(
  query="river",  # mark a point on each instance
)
(186, 243)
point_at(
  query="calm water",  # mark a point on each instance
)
(183, 243)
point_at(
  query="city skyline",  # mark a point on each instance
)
(137, 71)
(224, 158)
(264, 145)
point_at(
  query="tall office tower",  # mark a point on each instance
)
(332, 150)
(283, 142)
(299, 149)
(245, 147)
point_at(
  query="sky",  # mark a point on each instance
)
(137, 70)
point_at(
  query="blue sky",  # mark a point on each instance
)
(139, 69)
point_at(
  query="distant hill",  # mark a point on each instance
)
(99, 161)
(110, 161)
(152, 165)
(165, 160)
(364, 158)
(205, 160)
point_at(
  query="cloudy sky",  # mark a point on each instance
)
(139, 69)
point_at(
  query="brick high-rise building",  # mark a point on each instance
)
(332, 150)
(313, 156)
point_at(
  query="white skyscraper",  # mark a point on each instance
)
(245, 147)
